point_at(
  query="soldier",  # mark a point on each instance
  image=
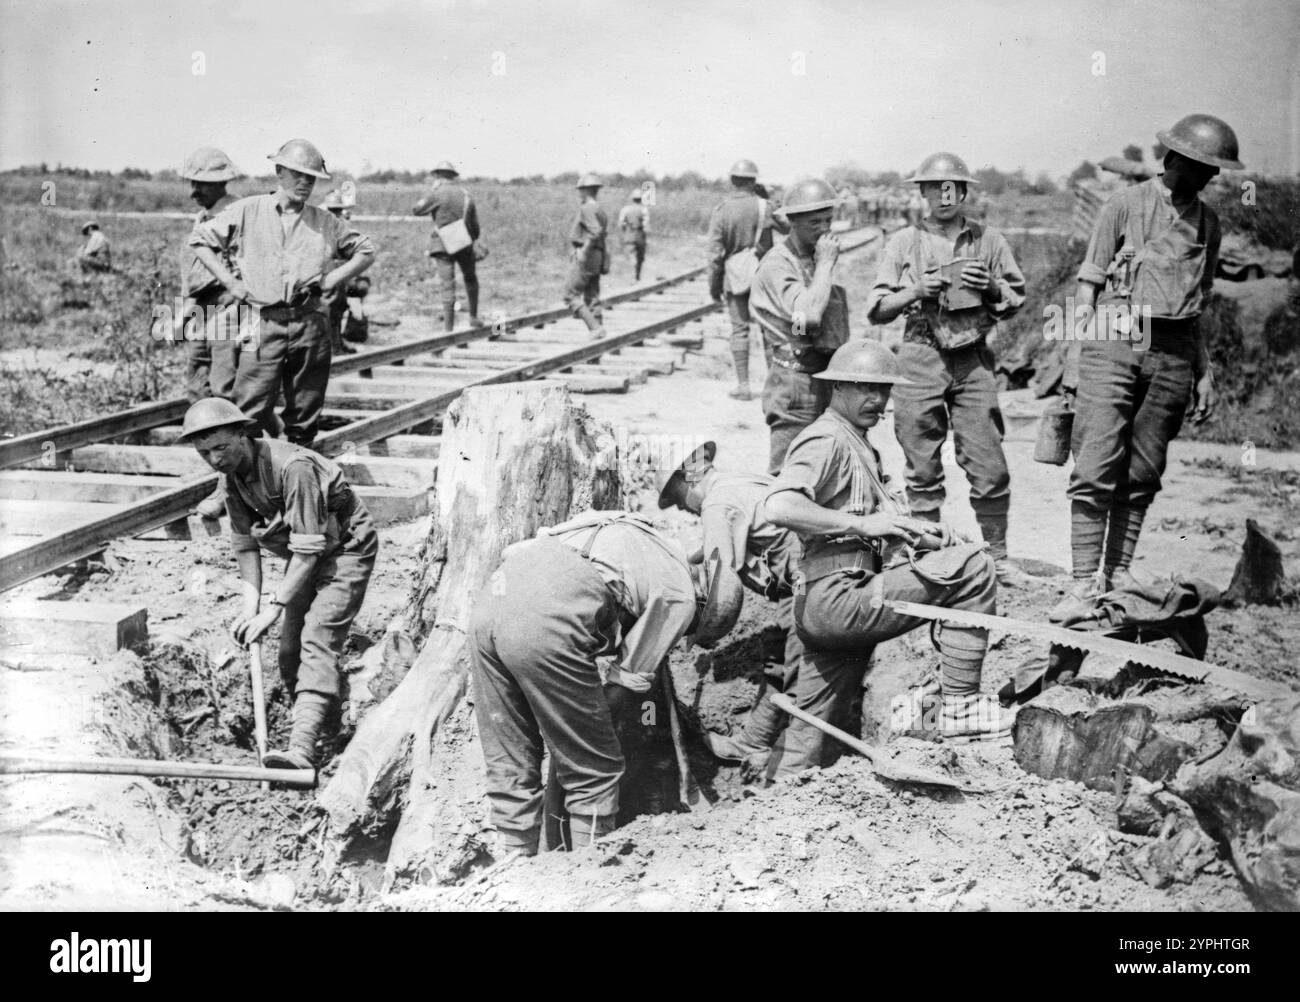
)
(284, 248)
(831, 492)
(766, 559)
(295, 504)
(211, 359)
(95, 254)
(589, 258)
(601, 581)
(954, 279)
(633, 225)
(455, 219)
(803, 313)
(1155, 246)
(740, 233)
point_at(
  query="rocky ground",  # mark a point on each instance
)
(838, 839)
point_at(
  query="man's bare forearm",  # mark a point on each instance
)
(792, 510)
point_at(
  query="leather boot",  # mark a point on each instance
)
(1079, 604)
(584, 314)
(309, 710)
(994, 530)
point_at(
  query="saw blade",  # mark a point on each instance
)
(1167, 661)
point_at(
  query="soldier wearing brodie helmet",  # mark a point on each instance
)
(1154, 246)
(295, 504)
(803, 314)
(831, 492)
(954, 279)
(589, 258)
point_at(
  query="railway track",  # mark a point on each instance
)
(66, 492)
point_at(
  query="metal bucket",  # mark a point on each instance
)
(1054, 428)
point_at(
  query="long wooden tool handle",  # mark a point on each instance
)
(20, 764)
(886, 770)
(259, 702)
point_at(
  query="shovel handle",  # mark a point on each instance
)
(259, 701)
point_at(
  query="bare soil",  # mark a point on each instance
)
(835, 839)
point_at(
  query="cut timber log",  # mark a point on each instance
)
(94, 628)
(516, 458)
(408, 446)
(394, 504)
(1071, 732)
(1259, 578)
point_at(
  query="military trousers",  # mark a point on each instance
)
(292, 355)
(1129, 406)
(317, 621)
(446, 265)
(841, 617)
(536, 630)
(582, 288)
(957, 391)
(792, 400)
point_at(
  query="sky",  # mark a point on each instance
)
(516, 88)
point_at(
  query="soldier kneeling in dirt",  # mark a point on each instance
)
(295, 503)
(830, 491)
(766, 559)
(603, 582)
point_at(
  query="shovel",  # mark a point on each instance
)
(885, 769)
(259, 702)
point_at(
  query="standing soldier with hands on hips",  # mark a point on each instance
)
(284, 250)
(954, 279)
(589, 258)
(803, 314)
(1154, 247)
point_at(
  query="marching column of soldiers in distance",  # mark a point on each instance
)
(824, 532)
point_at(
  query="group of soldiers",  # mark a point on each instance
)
(823, 533)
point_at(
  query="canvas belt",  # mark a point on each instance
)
(821, 563)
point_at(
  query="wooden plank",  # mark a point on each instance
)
(31, 448)
(629, 371)
(45, 518)
(105, 488)
(97, 629)
(394, 504)
(89, 537)
(657, 364)
(409, 446)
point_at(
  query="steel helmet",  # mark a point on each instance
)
(334, 200)
(864, 362)
(589, 181)
(744, 168)
(209, 414)
(1204, 138)
(808, 196)
(675, 462)
(88, 225)
(208, 163)
(302, 156)
(636, 194)
(723, 598)
(943, 167)
(445, 167)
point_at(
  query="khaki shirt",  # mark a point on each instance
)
(445, 204)
(736, 224)
(778, 299)
(819, 466)
(273, 262)
(916, 249)
(649, 576)
(284, 505)
(764, 555)
(196, 281)
(1177, 255)
(96, 247)
(587, 234)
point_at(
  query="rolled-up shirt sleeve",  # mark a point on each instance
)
(241, 524)
(349, 241)
(1009, 278)
(218, 232)
(664, 622)
(726, 529)
(805, 469)
(889, 275)
(1107, 235)
(305, 510)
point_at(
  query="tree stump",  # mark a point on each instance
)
(1259, 578)
(1078, 733)
(514, 459)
